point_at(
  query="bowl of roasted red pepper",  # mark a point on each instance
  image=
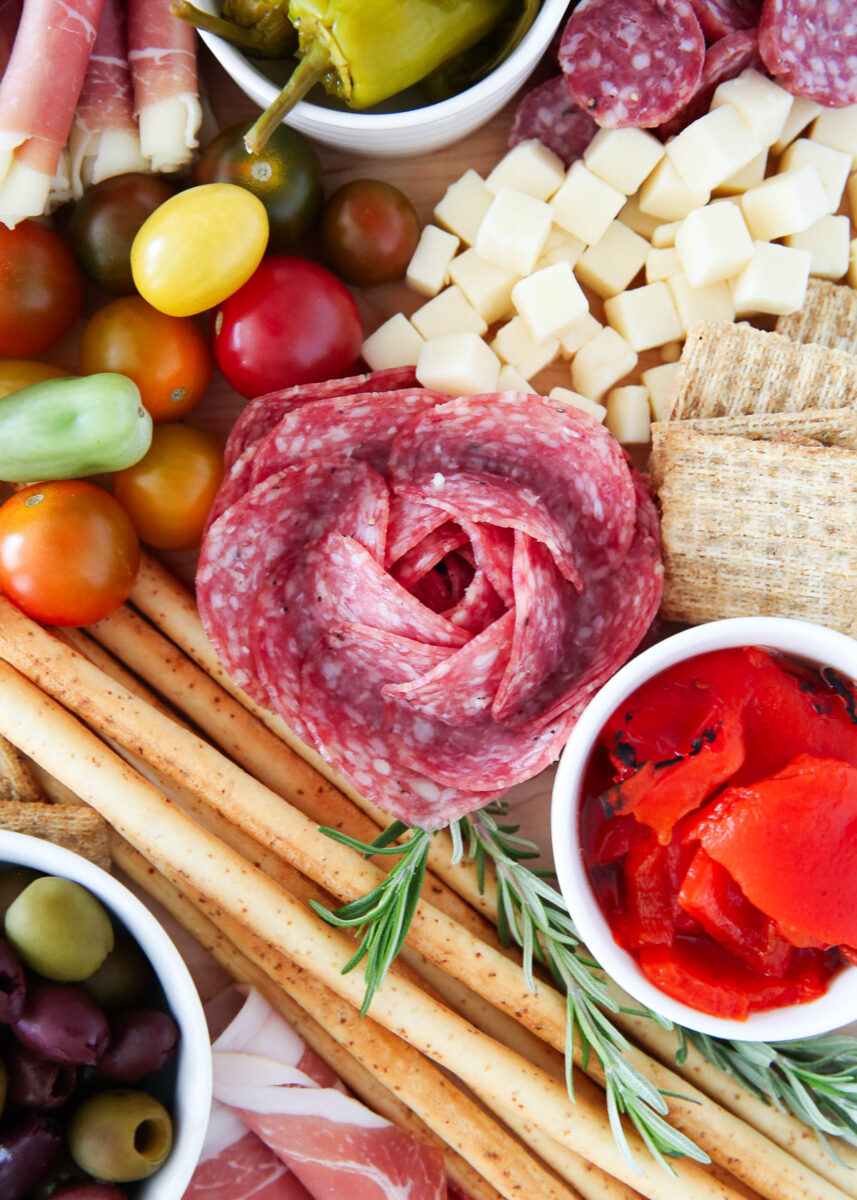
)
(705, 828)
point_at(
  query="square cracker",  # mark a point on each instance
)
(827, 426)
(80, 829)
(828, 317)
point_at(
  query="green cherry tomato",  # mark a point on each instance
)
(199, 247)
(105, 222)
(286, 177)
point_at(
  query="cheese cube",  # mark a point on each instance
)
(713, 243)
(747, 177)
(574, 400)
(585, 205)
(514, 231)
(800, 114)
(516, 345)
(550, 300)
(448, 312)
(460, 364)
(628, 417)
(528, 167)
(660, 382)
(671, 352)
(623, 157)
(394, 344)
(660, 264)
(784, 204)
(610, 265)
(833, 166)
(583, 330)
(852, 265)
(645, 316)
(712, 148)
(710, 303)
(510, 381)
(664, 235)
(837, 127)
(560, 247)
(828, 242)
(632, 215)
(601, 363)
(487, 286)
(428, 269)
(666, 195)
(463, 206)
(773, 281)
(763, 104)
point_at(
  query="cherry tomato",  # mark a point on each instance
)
(199, 247)
(292, 322)
(169, 492)
(167, 357)
(16, 373)
(286, 177)
(369, 231)
(40, 289)
(68, 552)
(105, 222)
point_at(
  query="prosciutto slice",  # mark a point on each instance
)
(162, 56)
(236, 1165)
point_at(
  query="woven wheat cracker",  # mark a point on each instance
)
(828, 317)
(80, 829)
(828, 426)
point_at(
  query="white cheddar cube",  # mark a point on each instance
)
(510, 381)
(713, 147)
(671, 352)
(516, 345)
(747, 177)
(666, 195)
(610, 265)
(448, 312)
(463, 206)
(428, 270)
(632, 215)
(852, 265)
(645, 316)
(460, 364)
(660, 264)
(660, 382)
(664, 235)
(713, 244)
(710, 303)
(784, 204)
(623, 157)
(583, 330)
(487, 286)
(585, 205)
(833, 166)
(800, 114)
(837, 127)
(601, 363)
(828, 242)
(549, 301)
(394, 344)
(560, 247)
(763, 104)
(528, 167)
(773, 281)
(628, 415)
(574, 400)
(514, 231)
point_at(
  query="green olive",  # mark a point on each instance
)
(59, 929)
(120, 1136)
(123, 979)
(12, 883)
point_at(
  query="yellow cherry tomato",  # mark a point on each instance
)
(16, 373)
(199, 247)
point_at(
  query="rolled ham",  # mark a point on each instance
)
(162, 56)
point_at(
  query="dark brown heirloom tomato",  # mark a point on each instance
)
(40, 289)
(369, 231)
(105, 222)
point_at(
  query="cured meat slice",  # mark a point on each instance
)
(162, 56)
(726, 59)
(236, 1165)
(410, 523)
(549, 114)
(493, 550)
(427, 553)
(719, 17)
(479, 606)
(810, 47)
(632, 62)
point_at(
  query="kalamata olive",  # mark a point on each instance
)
(59, 929)
(4, 1085)
(141, 1041)
(13, 986)
(64, 1173)
(34, 1082)
(12, 883)
(29, 1146)
(90, 1191)
(62, 1024)
(123, 979)
(120, 1136)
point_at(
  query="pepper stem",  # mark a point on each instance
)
(306, 75)
(247, 39)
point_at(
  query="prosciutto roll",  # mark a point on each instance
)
(162, 56)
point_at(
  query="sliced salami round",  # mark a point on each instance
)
(549, 114)
(423, 557)
(720, 17)
(726, 59)
(632, 62)
(810, 47)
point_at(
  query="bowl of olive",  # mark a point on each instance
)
(105, 1062)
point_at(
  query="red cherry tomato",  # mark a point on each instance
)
(292, 322)
(40, 289)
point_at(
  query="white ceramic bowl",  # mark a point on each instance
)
(192, 1103)
(414, 131)
(821, 646)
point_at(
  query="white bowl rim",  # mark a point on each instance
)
(803, 639)
(194, 1075)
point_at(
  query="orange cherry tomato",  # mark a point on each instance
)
(16, 373)
(167, 357)
(169, 492)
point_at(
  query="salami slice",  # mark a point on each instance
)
(410, 523)
(632, 62)
(720, 17)
(810, 47)
(726, 59)
(478, 607)
(549, 114)
(428, 553)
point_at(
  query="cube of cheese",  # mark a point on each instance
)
(833, 166)
(784, 204)
(460, 364)
(550, 300)
(529, 167)
(428, 270)
(623, 157)
(583, 330)
(763, 104)
(660, 382)
(713, 147)
(671, 352)
(837, 127)
(611, 264)
(516, 345)
(852, 265)
(487, 286)
(463, 206)
(660, 264)
(510, 381)
(666, 195)
(828, 243)
(601, 363)
(713, 243)
(632, 215)
(394, 344)
(801, 113)
(773, 281)
(514, 231)
(664, 235)
(645, 316)
(747, 177)
(585, 205)
(628, 416)
(710, 303)
(560, 247)
(574, 400)
(448, 312)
